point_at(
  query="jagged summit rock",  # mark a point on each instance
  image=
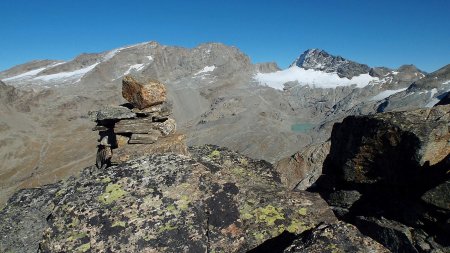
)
(318, 59)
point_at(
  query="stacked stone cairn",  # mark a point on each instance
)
(141, 127)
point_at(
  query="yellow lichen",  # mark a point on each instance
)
(243, 161)
(83, 248)
(214, 154)
(166, 227)
(119, 224)
(296, 226)
(269, 214)
(106, 180)
(259, 236)
(76, 236)
(112, 193)
(171, 208)
(302, 211)
(183, 203)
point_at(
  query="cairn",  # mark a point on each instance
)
(142, 126)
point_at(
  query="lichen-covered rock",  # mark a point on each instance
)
(215, 201)
(331, 238)
(143, 93)
(302, 169)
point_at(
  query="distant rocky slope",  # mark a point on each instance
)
(219, 97)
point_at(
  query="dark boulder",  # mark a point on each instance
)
(392, 165)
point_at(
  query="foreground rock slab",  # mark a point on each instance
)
(216, 201)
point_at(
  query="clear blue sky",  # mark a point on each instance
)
(378, 33)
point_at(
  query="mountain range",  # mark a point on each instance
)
(220, 97)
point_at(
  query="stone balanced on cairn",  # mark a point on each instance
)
(141, 127)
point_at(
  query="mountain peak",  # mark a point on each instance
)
(319, 59)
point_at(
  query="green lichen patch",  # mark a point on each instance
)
(296, 226)
(112, 193)
(119, 224)
(166, 227)
(243, 161)
(106, 180)
(269, 214)
(84, 247)
(302, 211)
(214, 154)
(76, 236)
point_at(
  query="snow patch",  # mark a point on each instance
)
(311, 77)
(150, 58)
(206, 70)
(111, 54)
(136, 67)
(68, 75)
(446, 82)
(385, 94)
(33, 72)
(26, 74)
(433, 100)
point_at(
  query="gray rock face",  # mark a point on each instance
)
(320, 60)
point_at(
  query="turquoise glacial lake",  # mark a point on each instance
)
(302, 127)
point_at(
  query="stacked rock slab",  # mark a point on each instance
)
(143, 126)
